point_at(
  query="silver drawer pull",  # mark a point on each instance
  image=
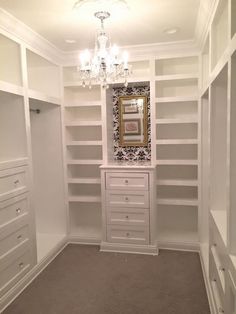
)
(21, 265)
(16, 182)
(19, 236)
(214, 245)
(126, 198)
(126, 181)
(221, 268)
(18, 210)
(127, 217)
(127, 234)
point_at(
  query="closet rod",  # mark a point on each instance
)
(35, 110)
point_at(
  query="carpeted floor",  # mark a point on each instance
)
(82, 280)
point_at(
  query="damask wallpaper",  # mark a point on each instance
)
(130, 153)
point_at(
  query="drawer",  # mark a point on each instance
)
(13, 208)
(123, 181)
(126, 216)
(218, 293)
(13, 271)
(138, 199)
(13, 182)
(220, 268)
(128, 234)
(13, 240)
(14, 225)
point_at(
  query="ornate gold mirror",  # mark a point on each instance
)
(133, 120)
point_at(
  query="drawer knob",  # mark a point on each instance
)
(126, 181)
(127, 234)
(21, 265)
(127, 217)
(18, 210)
(221, 268)
(16, 181)
(221, 310)
(19, 237)
(126, 198)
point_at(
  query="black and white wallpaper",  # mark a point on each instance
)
(130, 153)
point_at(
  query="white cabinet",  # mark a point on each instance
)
(128, 209)
(16, 243)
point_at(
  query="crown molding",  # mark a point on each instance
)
(205, 16)
(146, 51)
(20, 32)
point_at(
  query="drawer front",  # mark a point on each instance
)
(13, 181)
(122, 217)
(217, 244)
(15, 239)
(127, 234)
(123, 181)
(216, 289)
(15, 270)
(218, 266)
(138, 199)
(13, 208)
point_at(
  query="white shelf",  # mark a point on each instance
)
(177, 120)
(46, 243)
(176, 99)
(176, 162)
(220, 219)
(178, 182)
(78, 84)
(84, 162)
(11, 88)
(176, 77)
(84, 180)
(84, 143)
(176, 141)
(172, 201)
(83, 123)
(85, 199)
(84, 104)
(33, 94)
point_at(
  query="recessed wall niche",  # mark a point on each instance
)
(128, 153)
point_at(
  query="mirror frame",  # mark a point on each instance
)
(122, 141)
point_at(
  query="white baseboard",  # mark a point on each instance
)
(184, 246)
(84, 240)
(128, 248)
(13, 293)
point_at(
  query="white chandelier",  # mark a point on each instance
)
(105, 65)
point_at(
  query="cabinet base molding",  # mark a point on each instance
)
(129, 248)
(30, 276)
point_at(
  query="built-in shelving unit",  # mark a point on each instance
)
(176, 113)
(84, 155)
(219, 118)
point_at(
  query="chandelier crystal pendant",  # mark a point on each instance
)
(105, 65)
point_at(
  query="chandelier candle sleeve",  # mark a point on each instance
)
(105, 65)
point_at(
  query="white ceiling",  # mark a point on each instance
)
(143, 23)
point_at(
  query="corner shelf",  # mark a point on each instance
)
(176, 201)
(176, 141)
(177, 182)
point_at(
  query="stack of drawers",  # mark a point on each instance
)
(126, 209)
(15, 250)
(217, 267)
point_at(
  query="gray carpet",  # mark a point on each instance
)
(82, 280)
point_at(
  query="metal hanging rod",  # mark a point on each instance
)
(35, 110)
